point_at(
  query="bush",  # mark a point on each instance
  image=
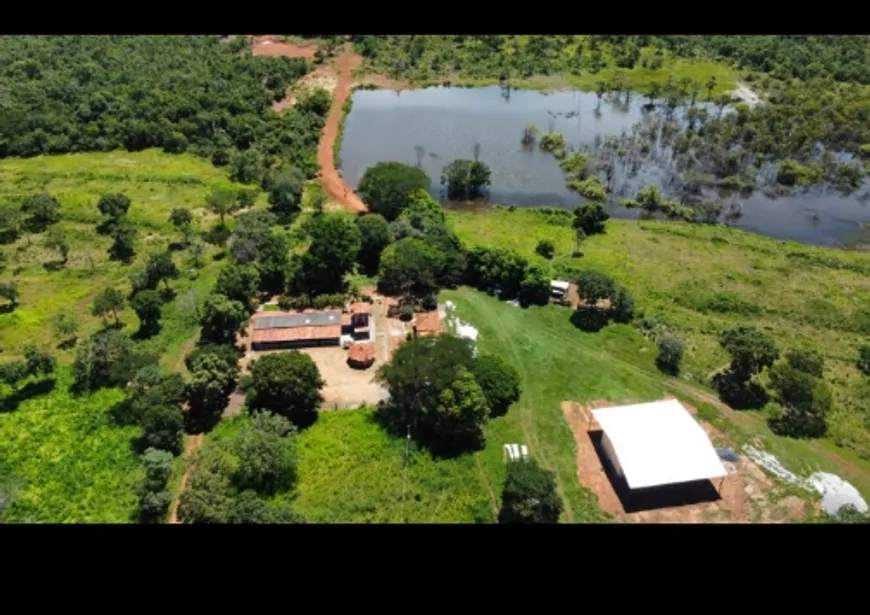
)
(529, 495)
(406, 313)
(863, 363)
(670, 355)
(429, 303)
(546, 248)
(499, 380)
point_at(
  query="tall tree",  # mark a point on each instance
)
(147, 304)
(465, 179)
(182, 220)
(222, 203)
(57, 240)
(285, 193)
(529, 495)
(288, 384)
(40, 211)
(222, 319)
(375, 236)
(114, 206)
(386, 186)
(499, 380)
(110, 301)
(123, 246)
(238, 282)
(335, 243)
(161, 267)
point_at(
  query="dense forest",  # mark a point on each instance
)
(843, 58)
(201, 94)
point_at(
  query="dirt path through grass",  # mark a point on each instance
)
(190, 446)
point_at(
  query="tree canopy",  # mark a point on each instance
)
(434, 392)
(465, 179)
(529, 494)
(386, 186)
(181, 93)
(287, 383)
(499, 380)
(375, 236)
(335, 244)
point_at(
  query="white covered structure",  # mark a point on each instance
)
(558, 288)
(656, 444)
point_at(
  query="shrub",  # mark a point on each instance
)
(406, 313)
(670, 355)
(546, 248)
(864, 360)
(429, 303)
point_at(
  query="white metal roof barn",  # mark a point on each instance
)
(657, 443)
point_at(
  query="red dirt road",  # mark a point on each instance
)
(192, 443)
(333, 184)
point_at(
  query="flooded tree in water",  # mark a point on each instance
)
(600, 91)
(506, 92)
(711, 85)
(419, 151)
(465, 179)
(653, 92)
(530, 135)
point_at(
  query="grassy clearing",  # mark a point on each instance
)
(698, 280)
(74, 463)
(70, 461)
(156, 183)
(637, 79)
(351, 471)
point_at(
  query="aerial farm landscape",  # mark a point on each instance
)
(279, 279)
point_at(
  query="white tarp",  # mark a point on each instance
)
(659, 443)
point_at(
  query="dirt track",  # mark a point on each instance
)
(334, 186)
(192, 443)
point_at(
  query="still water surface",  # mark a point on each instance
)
(431, 127)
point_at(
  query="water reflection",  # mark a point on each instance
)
(630, 140)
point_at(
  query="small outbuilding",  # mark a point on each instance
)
(361, 355)
(427, 324)
(558, 288)
(657, 444)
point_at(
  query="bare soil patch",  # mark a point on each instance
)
(271, 45)
(747, 494)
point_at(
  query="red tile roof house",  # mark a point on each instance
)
(427, 324)
(276, 330)
(361, 356)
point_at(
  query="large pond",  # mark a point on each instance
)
(431, 127)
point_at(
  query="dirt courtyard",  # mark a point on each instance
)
(345, 387)
(746, 495)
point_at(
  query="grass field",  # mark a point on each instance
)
(637, 79)
(73, 462)
(698, 280)
(156, 183)
(68, 459)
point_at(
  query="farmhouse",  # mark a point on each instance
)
(657, 445)
(276, 330)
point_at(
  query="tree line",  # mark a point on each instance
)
(201, 94)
